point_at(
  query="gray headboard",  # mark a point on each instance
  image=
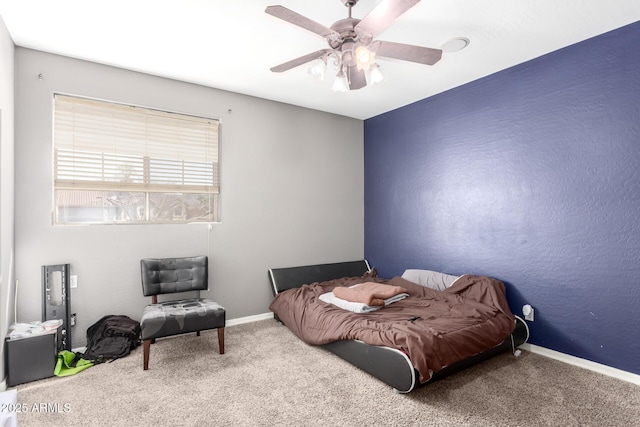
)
(294, 277)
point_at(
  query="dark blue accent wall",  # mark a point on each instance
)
(530, 175)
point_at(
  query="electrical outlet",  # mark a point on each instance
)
(528, 311)
(73, 283)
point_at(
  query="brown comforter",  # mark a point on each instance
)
(469, 317)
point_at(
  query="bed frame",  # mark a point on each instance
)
(389, 365)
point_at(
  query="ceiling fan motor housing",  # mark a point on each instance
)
(346, 29)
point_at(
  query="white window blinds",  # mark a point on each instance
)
(113, 147)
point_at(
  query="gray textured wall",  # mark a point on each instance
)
(292, 194)
(6, 185)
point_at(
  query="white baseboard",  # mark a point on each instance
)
(3, 385)
(249, 319)
(583, 363)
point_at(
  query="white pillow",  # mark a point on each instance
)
(430, 279)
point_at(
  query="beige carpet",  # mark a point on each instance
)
(268, 378)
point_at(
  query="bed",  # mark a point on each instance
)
(390, 352)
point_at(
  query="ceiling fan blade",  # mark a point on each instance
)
(299, 20)
(299, 61)
(383, 15)
(407, 52)
(357, 79)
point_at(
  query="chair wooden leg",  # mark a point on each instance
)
(221, 340)
(198, 333)
(145, 353)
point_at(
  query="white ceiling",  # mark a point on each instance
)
(231, 44)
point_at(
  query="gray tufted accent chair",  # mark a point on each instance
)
(164, 319)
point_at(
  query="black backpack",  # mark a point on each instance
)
(111, 337)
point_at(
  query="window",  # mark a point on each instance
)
(117, 163)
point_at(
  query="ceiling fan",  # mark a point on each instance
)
(352, 48)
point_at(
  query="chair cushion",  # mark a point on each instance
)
(180, 317)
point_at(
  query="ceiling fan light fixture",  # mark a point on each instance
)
(375, 74)
(364, 58)
(340, 84)
(318, 69)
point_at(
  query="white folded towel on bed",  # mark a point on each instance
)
(358, 307)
